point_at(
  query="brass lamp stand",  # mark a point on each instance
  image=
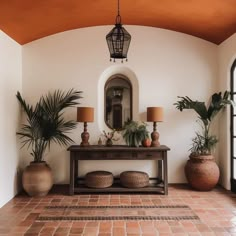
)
(155, 114)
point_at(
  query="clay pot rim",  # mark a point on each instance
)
(38, 162)
(202, 157)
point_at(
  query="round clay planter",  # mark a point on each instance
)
(146, 142)
(202, 172)
(37, 179)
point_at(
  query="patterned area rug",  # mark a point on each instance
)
(74, 213)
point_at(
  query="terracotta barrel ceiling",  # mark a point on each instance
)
(28, 20)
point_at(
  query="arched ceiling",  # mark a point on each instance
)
(28, 20)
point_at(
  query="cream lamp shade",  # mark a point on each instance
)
(155, 114)
(85, 114)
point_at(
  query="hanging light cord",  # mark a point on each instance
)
(118, 17)
(118, 7)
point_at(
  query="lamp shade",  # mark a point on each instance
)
(85, 114)
(155, 114)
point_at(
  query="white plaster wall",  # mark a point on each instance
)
(10, 83)
(163, 64)
(227, 55)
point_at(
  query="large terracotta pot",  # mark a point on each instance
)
(202, 172)
(37, 179)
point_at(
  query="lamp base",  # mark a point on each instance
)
(85, 138)
(82, 144)
(155, 137)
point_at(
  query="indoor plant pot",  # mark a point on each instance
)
(45, 124)
(201, 169)
(134, 133)
(202, 172)
(37, 179)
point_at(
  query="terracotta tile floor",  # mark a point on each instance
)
(216, 210)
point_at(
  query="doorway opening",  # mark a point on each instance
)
(233, 127)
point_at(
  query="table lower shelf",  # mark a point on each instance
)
(117, 188)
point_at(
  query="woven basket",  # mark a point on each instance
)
(134, 179)
(99, 179)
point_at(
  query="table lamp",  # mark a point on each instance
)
(85, 114)
(155, 114)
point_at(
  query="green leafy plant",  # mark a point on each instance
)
(134, 133)
(204, 142)
(45, 121)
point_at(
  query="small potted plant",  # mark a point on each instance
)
(45, 125)
(134, 133)
(201, 170)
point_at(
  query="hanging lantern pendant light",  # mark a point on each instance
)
(118, 40)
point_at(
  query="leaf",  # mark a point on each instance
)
(217, 103)
(198, 107)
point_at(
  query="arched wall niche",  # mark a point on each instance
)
(105, 76)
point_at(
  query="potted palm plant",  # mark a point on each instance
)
(134, 133)
(45, 125)
(201, 170)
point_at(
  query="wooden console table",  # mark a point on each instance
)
(119, 153)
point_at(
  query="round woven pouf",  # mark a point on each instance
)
(134, 179)
(99, 179)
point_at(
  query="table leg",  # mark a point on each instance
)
(76, 169)
(165, 175)
(160, 177)
(72, 174)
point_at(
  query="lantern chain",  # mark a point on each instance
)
(118, 7)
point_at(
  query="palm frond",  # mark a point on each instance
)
(204, 143)
(67, 126)
(198, 107)
(62, 139)
(46, 123)
(27, 108)
(56, 102)
(217, 103)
